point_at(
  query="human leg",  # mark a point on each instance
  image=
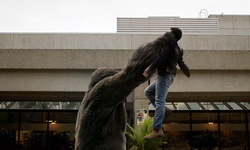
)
(150, 93)
(162, 85)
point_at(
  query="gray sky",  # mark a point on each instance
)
(99, 16)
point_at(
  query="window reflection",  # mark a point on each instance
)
(55, 129)
(234, 106)
(9, 130)
(62, 126)
(170, 106)
(246, 104)
(204, 117)
(232, 117)
(221, 106)
(33, 130)
(181, 106)
(177, 129)
(207, 105)
(194, 106)
(233, 130)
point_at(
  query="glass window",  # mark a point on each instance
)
(177, 129)
(177, 140)
(232, 117)
(204, 126)
(63, 117)
(34, 130)
(207, 105)
(245, 104)
(221, 106)
(181, 106)
(170, 106)
(204, 117)
(233, 130)
(62, 127)
(39, 105)
(248, 114)
(234, 106)
(9, 130)
(202, 121)
(179, 117)
(194, 106)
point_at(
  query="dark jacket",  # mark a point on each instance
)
(167, 60)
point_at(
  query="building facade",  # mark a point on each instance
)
(45, 74)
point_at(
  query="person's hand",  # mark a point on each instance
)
(145, 74)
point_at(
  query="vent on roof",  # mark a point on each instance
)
(160, 25)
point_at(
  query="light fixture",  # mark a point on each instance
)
(53, 122)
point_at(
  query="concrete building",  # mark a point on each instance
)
(56, 67)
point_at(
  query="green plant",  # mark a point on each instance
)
(135, 136)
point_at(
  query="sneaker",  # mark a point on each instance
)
(154, 134)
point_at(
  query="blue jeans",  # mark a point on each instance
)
(157, 92)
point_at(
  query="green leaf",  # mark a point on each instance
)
(136, 134)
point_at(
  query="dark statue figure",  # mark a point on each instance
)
(101, 119)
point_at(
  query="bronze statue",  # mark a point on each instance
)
(101, 119)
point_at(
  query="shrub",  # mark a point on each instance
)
(135, 136)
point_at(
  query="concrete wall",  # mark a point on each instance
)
(233, 24)
(59, 51)
(47, 63)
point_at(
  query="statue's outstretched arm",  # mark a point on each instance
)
(116, 88)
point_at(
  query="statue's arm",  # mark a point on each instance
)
(116, 88)
(113, 90)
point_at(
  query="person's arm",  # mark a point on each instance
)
(183, 66)
(162, 57)
(149, 69)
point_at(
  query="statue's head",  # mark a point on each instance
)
(100, 74)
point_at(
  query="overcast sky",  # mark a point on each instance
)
(99, 16)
